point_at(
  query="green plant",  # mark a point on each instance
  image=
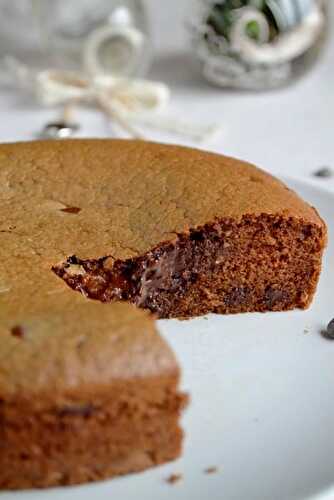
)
(223, 14)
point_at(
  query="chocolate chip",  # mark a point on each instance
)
(306, 232)
(71, 210)
(73, 260)
(236, 296)
(324, 172)
(197, 236)
(274, 296)
(17, 331)
(329, 332)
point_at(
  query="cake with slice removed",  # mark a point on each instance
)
(89, 390)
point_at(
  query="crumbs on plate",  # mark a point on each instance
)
(211, 470)
(174, 478)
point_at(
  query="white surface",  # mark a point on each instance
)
(288, 131)
(262, 406)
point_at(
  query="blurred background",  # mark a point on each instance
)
(253, 79)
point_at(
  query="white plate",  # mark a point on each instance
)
(262, 406)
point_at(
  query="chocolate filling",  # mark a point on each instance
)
(263, 263)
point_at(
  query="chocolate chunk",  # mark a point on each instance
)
(71, 210)
(274, 296)
(324, 172)
(156, 279)
(236, 296)
(73, 260)
(17, 331)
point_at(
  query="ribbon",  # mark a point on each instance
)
(128, 101)
(287, 47)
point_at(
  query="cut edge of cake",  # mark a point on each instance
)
(260, 263)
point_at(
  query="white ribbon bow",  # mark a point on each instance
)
(127, 101)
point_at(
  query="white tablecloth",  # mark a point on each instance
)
(288, 131)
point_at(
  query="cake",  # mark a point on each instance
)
(88, 389)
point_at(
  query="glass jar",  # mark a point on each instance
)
(258, 44)
(100, 36)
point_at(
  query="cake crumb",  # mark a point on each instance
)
(211, 470)
(306, 330)
(174, 478)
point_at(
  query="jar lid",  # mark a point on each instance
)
(289, 13)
